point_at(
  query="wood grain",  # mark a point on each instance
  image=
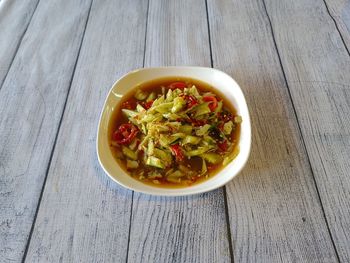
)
(84, 216)
(275, 213)
(317, 68)
(339, 10)
(290, 204)
(15, 15)
(183, 229)
(32, 99)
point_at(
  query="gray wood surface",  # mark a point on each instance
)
(183, 229)
(32, 99)
(15, 16)
(317, 68)
(58, 60)
(339, 10)
(274, 210)
(84, 216)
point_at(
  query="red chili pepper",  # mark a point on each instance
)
(213, 103)
(125, 133)
(223, 146)
(147, 105)
(190, 100)
(177, 85)
(177, 151)
(129, 104)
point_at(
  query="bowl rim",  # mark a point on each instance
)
(174, 191)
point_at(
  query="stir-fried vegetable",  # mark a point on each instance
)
(175, 133)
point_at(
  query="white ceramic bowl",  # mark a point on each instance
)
(214, 77)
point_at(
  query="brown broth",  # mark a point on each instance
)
(117, 118)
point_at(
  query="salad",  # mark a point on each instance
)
(174, 133)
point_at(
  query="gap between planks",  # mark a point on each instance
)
(56, 136)
(132, 194)
(19, 44)
(227, 215)
(336, 26)
(299, 128)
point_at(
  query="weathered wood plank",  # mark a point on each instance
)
(340, 12)
(317, 68)
(184, 229)
(84, 216)
(32, 99)
(15, 15)
(275, 213)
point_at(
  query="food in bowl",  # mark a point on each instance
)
(174, 132)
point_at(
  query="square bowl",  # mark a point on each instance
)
(215, 78)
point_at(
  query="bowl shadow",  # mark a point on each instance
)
(277, 149)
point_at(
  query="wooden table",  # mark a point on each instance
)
(58, 60)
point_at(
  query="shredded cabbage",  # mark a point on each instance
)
(140, 95)
(228, 126)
